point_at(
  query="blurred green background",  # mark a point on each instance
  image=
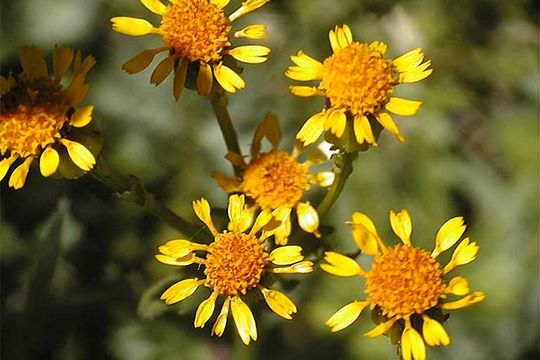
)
(75, 260)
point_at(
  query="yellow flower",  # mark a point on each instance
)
(405, 285)
(277, 181)
(234, 264)
(37, 115)
(357, 81)
(199, 32)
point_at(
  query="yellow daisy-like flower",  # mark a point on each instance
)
(406, 284)
(196, 31)
(36, 113)
(277, 181)
(234, 264)
(357, 81)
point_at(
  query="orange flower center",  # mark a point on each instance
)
(404, 281)
(275, 179)
(31, 116)
(358, 78)
(196, 29)
(235, 263)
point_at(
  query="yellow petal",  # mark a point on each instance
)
(344, 36)
(5, 165)
(312, 129)
(236, 159)
(281, 234)
(32, 61)
(306, 68)
(468, 300)
(132, 26)
(202, 210)
(162, 70)
(403, 107)
(262, 219)
(346, 315)
(141, 61)
(303, 267)
(180, 291)
(341, 265)
(228, 183)
(365, 240)
(386, 120)
(286, 255)
(308, 218)
(255, 32)
(464, 253)
(82, 116)
(305, 91)
(412, 345)
(240, 215)
(220, 3)
(362, 130)
(336, 122)
(402, 225)
(458, 286)
(279, 303)
(83, 67)
(205, 310)
(252, 54)
(221, 322)
(416, 74)
(409, 60)
(243, 318)
(48, 162)
(155, 6)
(176, 261)
(381, 328)
(228, 79)
(18, 176)
(204, 79)
(180, 74)
(449, 233)
(79, 154)
(268, 128)
(179, 248)
(247, 7)
(62, 58)
(324, 178)
(434, 332)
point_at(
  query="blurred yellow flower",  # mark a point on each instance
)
(234, 264)
(196, 31)
(277, 181)
(36, 113)
(405, 285)
(357, 81)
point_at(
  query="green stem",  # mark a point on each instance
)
(219, 104)
(132, 190)
(343, 168)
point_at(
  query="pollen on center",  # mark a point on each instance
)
(358, 78)
(405, 280)
(275, 179)
(235, 263)
(196, 29)
(31, 116)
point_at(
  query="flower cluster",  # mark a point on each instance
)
(37, 114)
(406, 287)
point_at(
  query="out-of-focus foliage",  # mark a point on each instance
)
(472, 150)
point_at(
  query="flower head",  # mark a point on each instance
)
(277, 181)
(234, 265)
(196, 32)
(37, 114)
(357, 81)
(405, 286)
